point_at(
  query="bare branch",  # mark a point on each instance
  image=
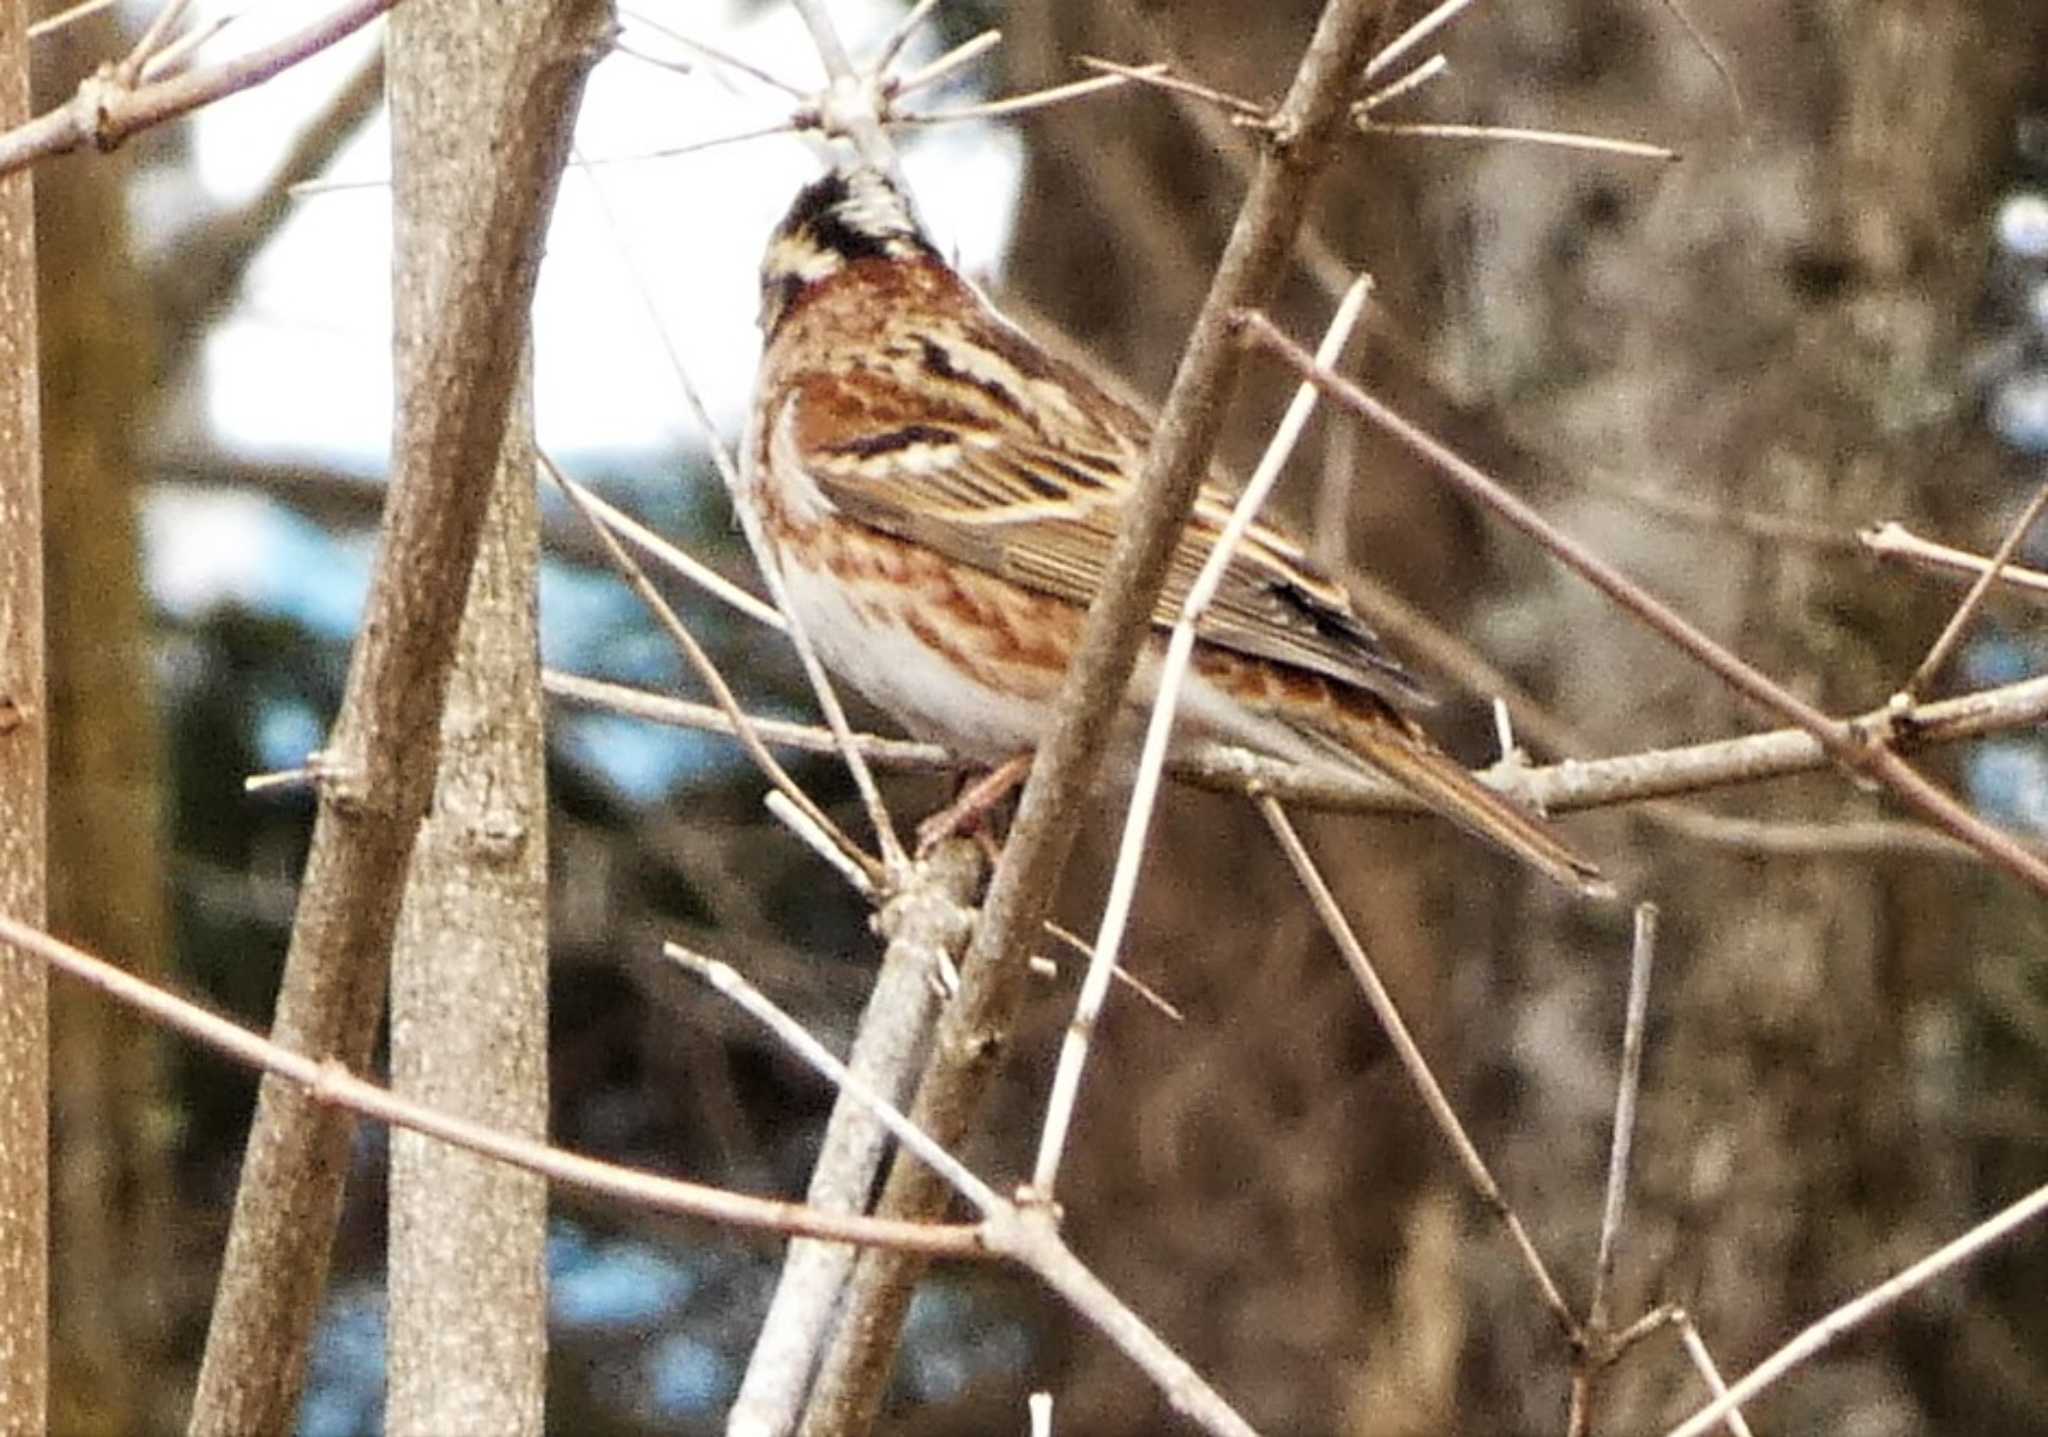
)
(1572, 786)
(1180, 648)
(104, 112)
(659, 708)
(1554, 139)
(462, 331)
(927, 926)
(328, 1083)
(1641, 955)
(1892, 540)
(1867, 753)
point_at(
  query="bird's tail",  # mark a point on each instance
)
(1388, 742)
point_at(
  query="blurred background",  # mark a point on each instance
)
(1833, 312)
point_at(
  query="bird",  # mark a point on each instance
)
(940, 494)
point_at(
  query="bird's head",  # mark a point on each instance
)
(850, 215)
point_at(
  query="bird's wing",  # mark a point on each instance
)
(1039, 503)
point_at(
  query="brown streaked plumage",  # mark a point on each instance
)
(942, 495)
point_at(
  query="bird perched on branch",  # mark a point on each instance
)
(942, 493)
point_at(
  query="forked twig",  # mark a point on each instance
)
(1959, 622)
(105, 112)
(1026, 1233)
(1152, 759)
(1361, 965)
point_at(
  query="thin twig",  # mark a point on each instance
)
(1405, 1047)
(817, 840)
(1642, 955)
(68, 16)
(154, 37)
(1159, 76)
(1516, 134)
(1018, 104)
(1414, 80)
(711, 52)
(1853, 1314)
(721, 693)
(1414, 35)
(329, 1082)
(1709, 1371)
(1869, 754)
(660, 708)
(1714, 57)
(1959, 622)
(1892, 540)
(695, 570)
(728, 981)
(900, 36)
(1123, 887)
(965, 53)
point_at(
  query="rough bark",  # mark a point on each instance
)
(509, 85)
(111, 1174)
(468, 1302)
(24, 741)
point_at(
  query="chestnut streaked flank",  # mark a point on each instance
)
(942, 494)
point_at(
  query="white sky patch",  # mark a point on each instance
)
(203, 549)
(301, 366)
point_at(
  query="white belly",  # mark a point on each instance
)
(888, 665)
